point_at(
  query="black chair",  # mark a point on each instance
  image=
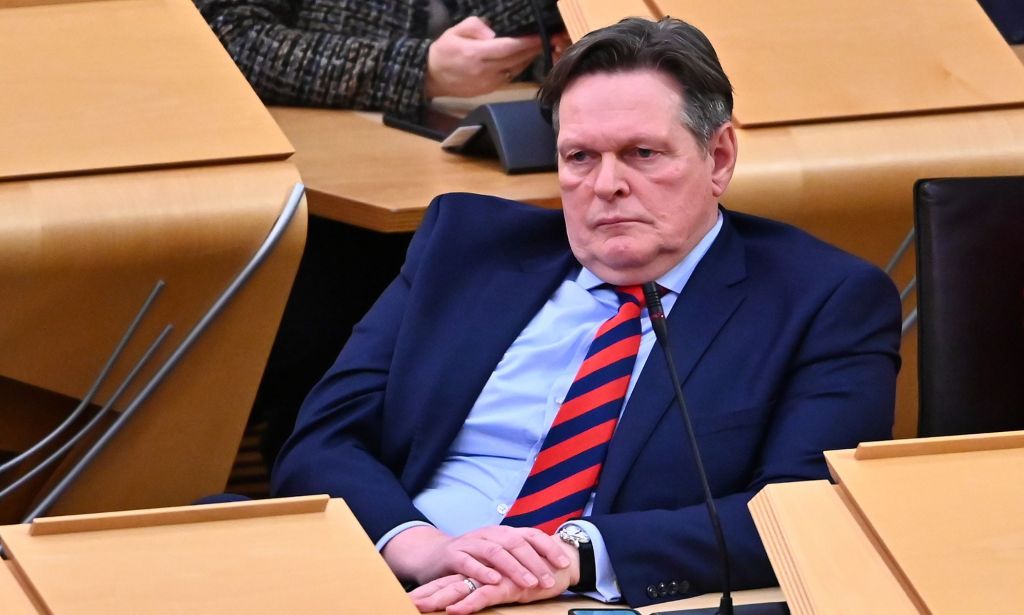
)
(970, 270)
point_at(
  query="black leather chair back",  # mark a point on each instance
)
(970, 268)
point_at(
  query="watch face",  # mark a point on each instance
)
(573, 534)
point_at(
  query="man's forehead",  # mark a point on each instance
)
(612, 81)
(624, 107)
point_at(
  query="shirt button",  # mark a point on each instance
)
(502, 509)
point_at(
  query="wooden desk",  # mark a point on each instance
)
(133, 151)
(363, 173)
(12, 597)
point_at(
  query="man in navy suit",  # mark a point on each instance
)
(433, 415)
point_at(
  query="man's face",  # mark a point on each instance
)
(638, 191)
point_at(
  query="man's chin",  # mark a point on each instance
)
(623, 269)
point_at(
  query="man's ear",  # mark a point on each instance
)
(722, 151)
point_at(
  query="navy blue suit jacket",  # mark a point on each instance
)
(786, 347)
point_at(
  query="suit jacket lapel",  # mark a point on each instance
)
(504, 304)
(708, 300)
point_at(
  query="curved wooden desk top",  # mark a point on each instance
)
(122, 84)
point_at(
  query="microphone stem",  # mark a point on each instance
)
(725, 607)
(657, 315)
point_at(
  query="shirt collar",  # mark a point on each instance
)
(675, 278)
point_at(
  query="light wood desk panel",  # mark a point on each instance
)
(78, 256)
(12, 598)
(363, 173)
(122, 84)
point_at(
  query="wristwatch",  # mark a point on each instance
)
(574, 535)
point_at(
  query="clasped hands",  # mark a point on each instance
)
(507, 564)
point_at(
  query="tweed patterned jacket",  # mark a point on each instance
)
(357, 54)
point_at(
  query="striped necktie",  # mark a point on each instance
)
(569, 463)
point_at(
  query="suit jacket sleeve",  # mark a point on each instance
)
(336, 447)
(839, 391)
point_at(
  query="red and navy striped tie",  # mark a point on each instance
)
(569, 463)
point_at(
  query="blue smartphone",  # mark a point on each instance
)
(603, 611)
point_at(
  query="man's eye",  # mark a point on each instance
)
(578, 156)
(643, 152)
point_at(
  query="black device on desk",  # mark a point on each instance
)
(761, 608)
(515, 131)
(431, 123)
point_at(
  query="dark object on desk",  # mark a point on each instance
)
(431, 123)
(515, 131)
(604, 611)
(970, 267)
(761, 608)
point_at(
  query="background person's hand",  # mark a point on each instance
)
(469, 60)
(454, 595)
(560, 41)
(525, 556)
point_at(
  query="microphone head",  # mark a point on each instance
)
(653, 300)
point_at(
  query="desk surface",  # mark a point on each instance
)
(12, 597)
(122, 84)
(363, 173)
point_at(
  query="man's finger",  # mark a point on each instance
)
(498, 557)
(444, 595)
(486, 596)
(527, 555)
(429, 588)
(470, 562)
(548, 548)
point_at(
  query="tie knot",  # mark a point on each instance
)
(632, 294)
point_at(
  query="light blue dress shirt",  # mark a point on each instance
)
(494, 451)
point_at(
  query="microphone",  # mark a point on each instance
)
(660, 326)
(657, 315)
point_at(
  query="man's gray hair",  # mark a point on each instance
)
(669, 45)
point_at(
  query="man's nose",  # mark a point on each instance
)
(610, 180)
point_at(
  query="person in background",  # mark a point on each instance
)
(502, 423)
(382, 55)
